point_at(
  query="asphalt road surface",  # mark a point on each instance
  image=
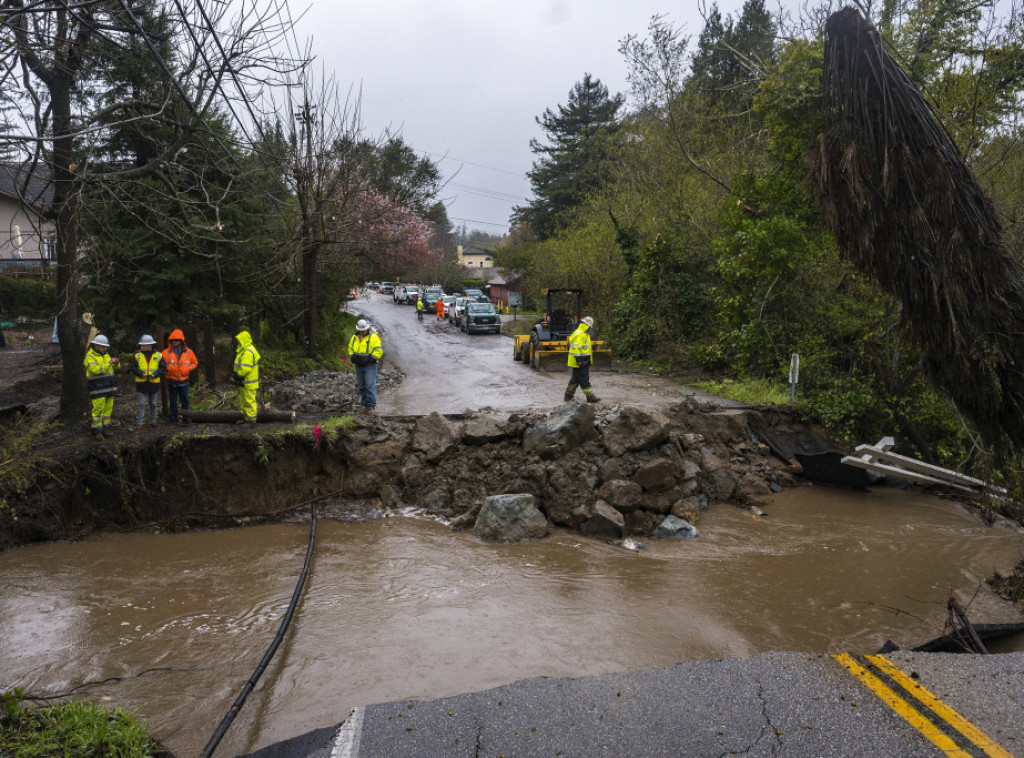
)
(451, 372)
(777, 704)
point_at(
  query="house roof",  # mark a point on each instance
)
(501, 279)
(37, 190)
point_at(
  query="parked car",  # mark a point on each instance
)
(480, 317)
(449, 301)
(386, 288)
(406, 294)
(454, 311)
(477, 296)
(430, 296)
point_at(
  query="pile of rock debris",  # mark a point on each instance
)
(327, 391)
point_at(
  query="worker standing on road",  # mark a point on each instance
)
(149, 367)
(580, 357)
(246, 375)
(365, 351)
(99, 374)
(439, 307)
(419, 308)
(180, 362)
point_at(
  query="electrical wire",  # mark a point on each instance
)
(229, 717)
(175, 82)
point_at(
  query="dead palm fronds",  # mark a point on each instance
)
(908, 211)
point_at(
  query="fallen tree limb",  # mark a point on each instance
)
(263, 416)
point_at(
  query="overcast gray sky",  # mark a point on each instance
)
(463, 80)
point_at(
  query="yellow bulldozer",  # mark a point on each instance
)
(546, 347)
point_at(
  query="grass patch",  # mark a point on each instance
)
(1010, 587)
(522, 325)
(751, 392)
(329, 431)
(81, 730)
(19, 465)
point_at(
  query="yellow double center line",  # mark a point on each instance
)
(914, 717)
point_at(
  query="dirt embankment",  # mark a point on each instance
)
(645, 464)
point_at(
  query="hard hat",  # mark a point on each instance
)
(100, 340)
(588, 321)
(147, 339)
(362, 325)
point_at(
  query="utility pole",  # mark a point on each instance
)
(306, 186)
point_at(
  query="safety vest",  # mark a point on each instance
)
(179, 367)
(148, 365)
(247, 360)
(99, 375)
(368, 345)
(579, 345)
(419, 305)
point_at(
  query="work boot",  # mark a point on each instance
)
(570, 391)
(591, 397)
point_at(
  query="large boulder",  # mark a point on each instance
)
(483, 430)
(634, 430)
(570, 483)
(604, 522)
(673, 526)
(752, 490)
(510, 518)
(657, 475)
(621, 494)
(720, 485)
(563, 430)
(433, 436)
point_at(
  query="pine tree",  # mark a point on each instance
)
(570, 165)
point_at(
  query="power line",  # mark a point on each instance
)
(445, 156)
(486, 192)
(174, 80)
(231, 70)
(474, 221)
(209, 68)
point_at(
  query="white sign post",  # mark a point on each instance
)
(794, 377)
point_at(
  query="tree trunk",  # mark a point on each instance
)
(73, 395)
(263, 416)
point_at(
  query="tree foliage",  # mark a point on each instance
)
(722, 261)
(571, 164)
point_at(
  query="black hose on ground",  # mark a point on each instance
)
(229, 717)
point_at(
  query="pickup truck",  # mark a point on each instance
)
(477, 296)
(406, 294)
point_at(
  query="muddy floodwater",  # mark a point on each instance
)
(173, 625)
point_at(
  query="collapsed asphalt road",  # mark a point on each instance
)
(777, 704)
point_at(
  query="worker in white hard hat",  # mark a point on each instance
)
(581, 355)
(365, 351)
(149, 368)
(99, 375)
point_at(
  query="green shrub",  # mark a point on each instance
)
(82, 730)
(27, 297)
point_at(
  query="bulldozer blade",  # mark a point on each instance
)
(551, 360)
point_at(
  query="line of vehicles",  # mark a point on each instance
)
(547, 344)
(470, 310)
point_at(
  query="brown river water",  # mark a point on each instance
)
(172, 626)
